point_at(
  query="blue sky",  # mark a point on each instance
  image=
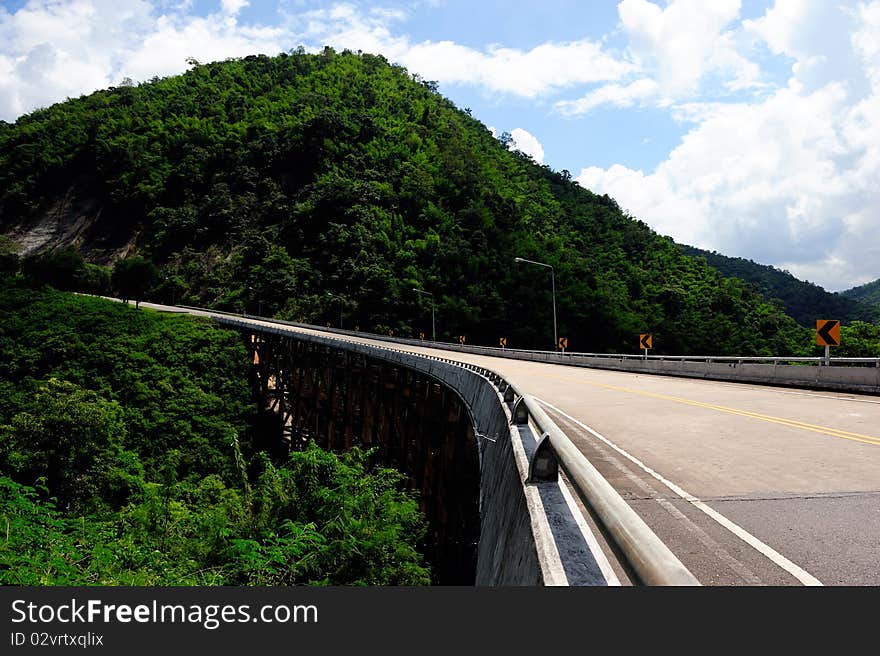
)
(751, 127)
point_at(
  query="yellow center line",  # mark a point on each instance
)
(791, 423)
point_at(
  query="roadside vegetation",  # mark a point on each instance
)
(129, 455)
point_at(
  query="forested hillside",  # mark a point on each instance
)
(323, 186)
(130, 455)
(869, 293)
(803, 301)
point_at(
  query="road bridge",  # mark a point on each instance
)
(745, 484)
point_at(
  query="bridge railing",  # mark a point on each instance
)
(844, 374)
(560, 355)
(860, 375)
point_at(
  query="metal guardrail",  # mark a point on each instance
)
(699, 358)
(651, 560)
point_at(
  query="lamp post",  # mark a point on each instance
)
(433, 331)
(259, 302)
(552, 286)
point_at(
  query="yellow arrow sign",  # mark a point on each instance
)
(422, 336)
(563, 342)
(646, 341)
(461, 339)
(502, 342)
(828, 332)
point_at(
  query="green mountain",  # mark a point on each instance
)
(804, 301)
(868, 293)
(327, 187)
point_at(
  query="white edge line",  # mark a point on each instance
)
(795, 570)
(552, 570)
(590, 537)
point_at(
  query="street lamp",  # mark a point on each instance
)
(553, 287)
(259, 302)
(433, 331)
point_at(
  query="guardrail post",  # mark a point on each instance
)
(544, 465)
(520, 414)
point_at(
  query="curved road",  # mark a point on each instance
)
(748, 485)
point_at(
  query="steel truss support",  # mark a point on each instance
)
(341, 399)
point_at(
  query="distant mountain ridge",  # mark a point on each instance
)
(868, 293)
(804, 301)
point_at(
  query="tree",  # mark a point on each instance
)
(62, 269)
(8, 256)
(94, 279)
(67, 435)
(133, 277)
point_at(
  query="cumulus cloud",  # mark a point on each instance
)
(675, 51)
(527, 143)
(790, 180)
(527, 73)
(172, 40)
(232, 7)
(51, 50)
(612, 94)
(685, 41)
(816, 34)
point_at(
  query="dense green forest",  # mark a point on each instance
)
(327, 187)
(803, 301)
(130, 454)
(869, 293)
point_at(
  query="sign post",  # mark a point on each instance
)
(563, 343)
(646, 342)
(828, 335)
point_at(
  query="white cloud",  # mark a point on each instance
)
(232, 7)
(527, 73)
(816, 34)
(789, 178)
(527, 143)
(173, 40)
(793, 27)
(685, 41)
(611, 94)
(51, 50)
(866, 42)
